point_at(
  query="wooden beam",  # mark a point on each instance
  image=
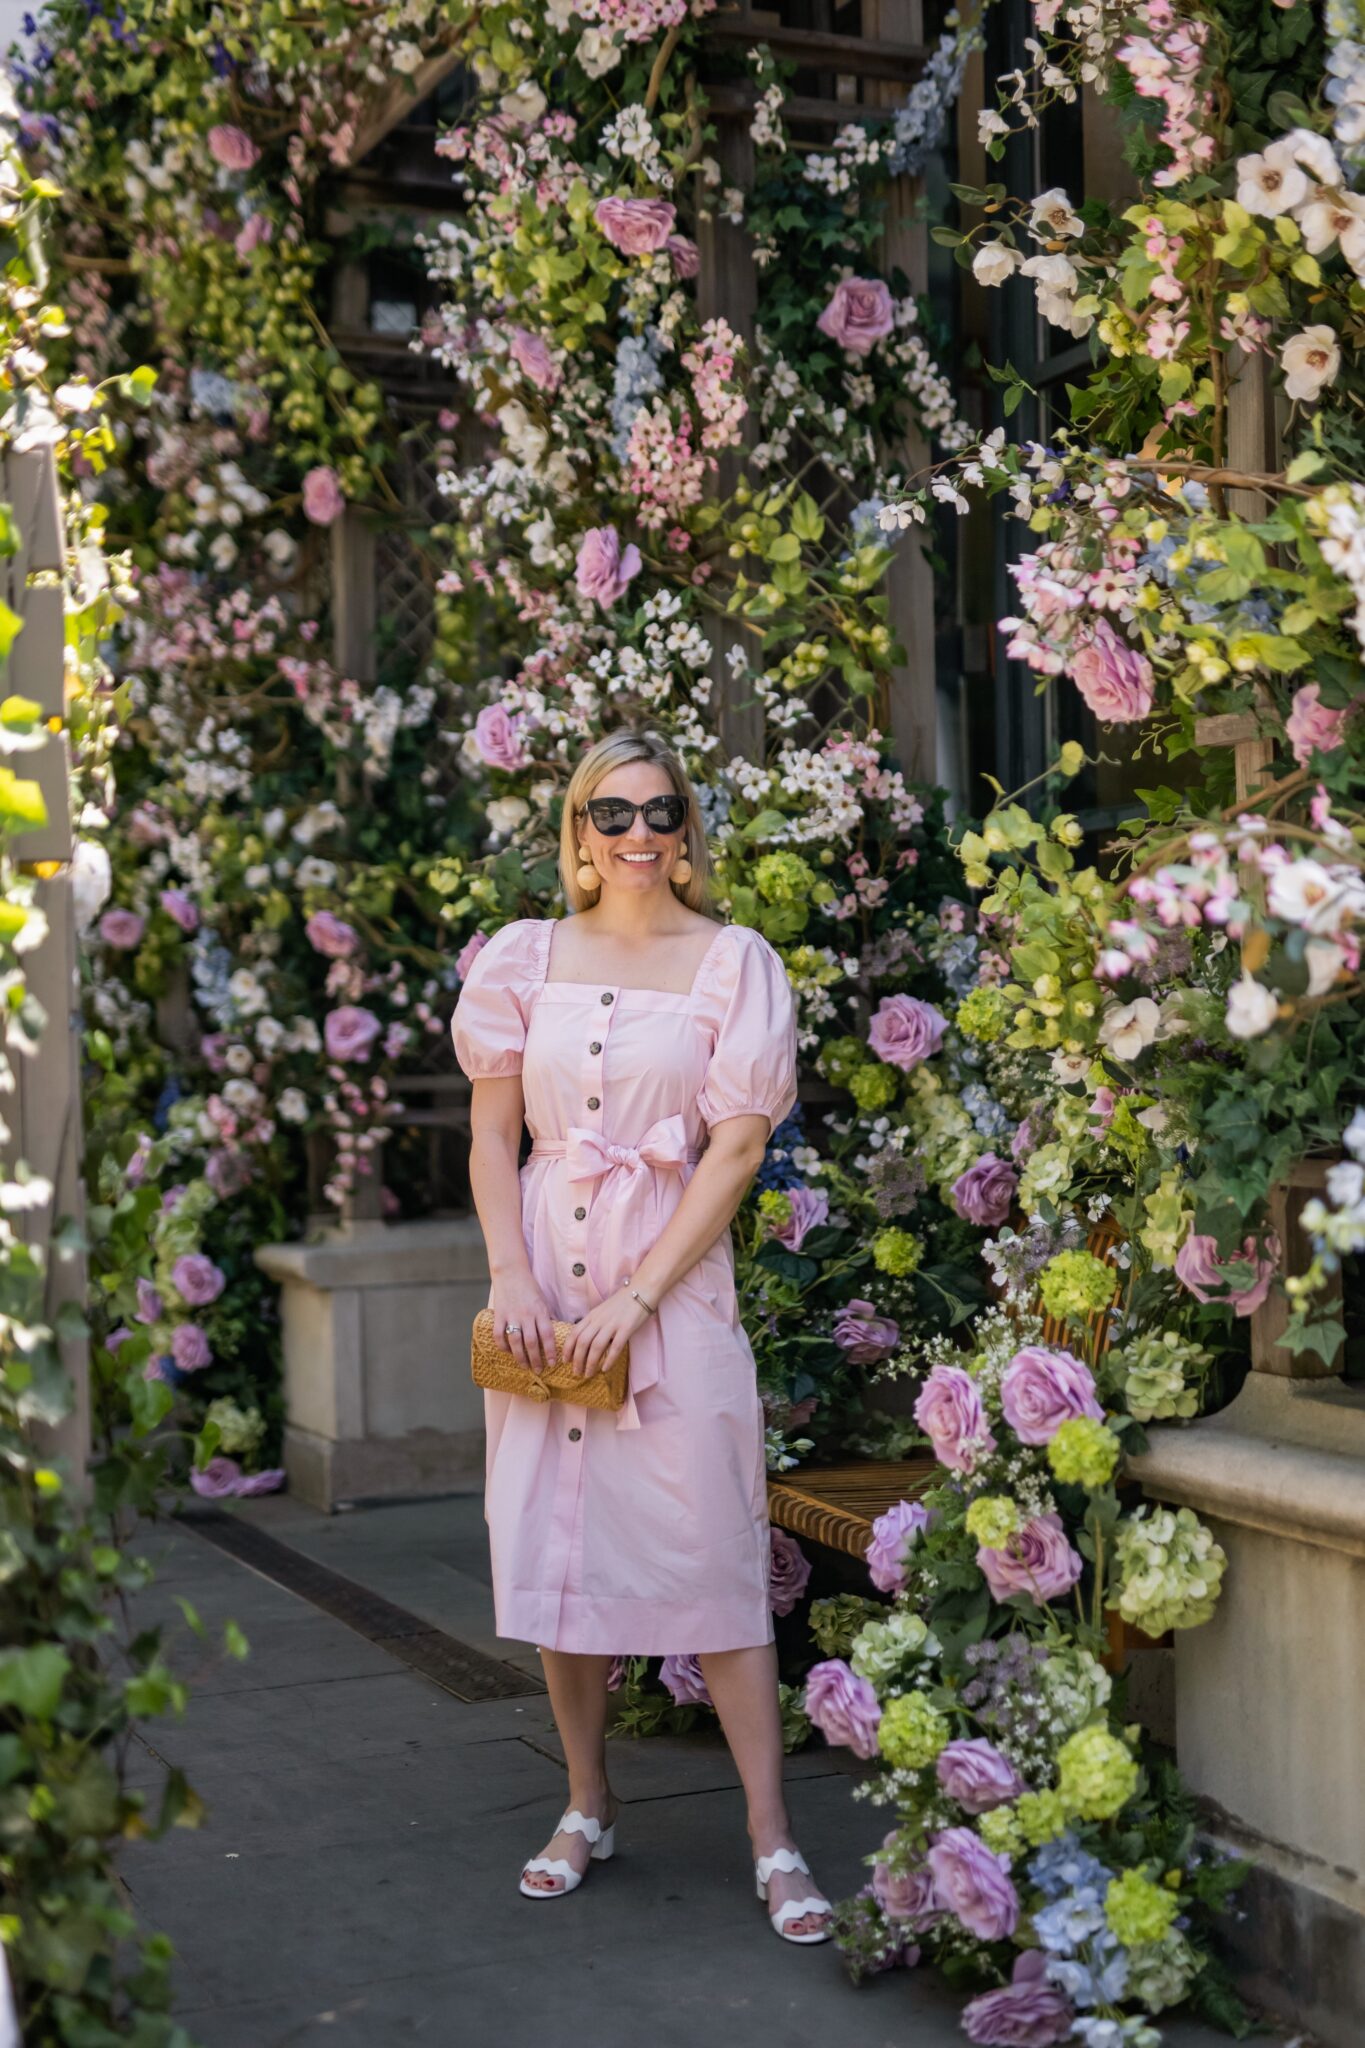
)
(852, 56)
(737, 102)
(397, 99)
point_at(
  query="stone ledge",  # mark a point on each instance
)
(439, 1252)
(1287, 1457)
(426, 1462)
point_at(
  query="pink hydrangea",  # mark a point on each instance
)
(637, 227)
(985, 1193)
(349, 1032)
(1113, 678)
(860, 314)
(498, 739)
(1037, 1561)
(196, 1279)
(1312, 727)
(323, 498)
(1028, 2013)
(788, 1571)
(232, 147)
(1041, 1389)
(972, 1882)
(906, 1031)
(331, 935)
(893, 1534)
(843, 1707)
(950, 1413)
(604, 568)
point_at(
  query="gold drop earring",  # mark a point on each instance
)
(587, 877)
(682, 872)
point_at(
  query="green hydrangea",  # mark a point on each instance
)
(1084, 1453)
(897, 1252)
(775, 1207)
(783, 878)
(1041, 1816)
(1168, 1218)
(1168, 1568)
(984, 1014)
(992, 1519)
(1048, 1173)
(796, 1726)
(880, 1648)
(873, 1088)
(1097, 1775)
(242, 1430)
(841, 1059)
(912, 1731)
(1000, 1831)
(835, 1622)
(1138, 1910)
(1160, 1973)
(1076, 1284)
(1075, 1686)
(1161, 1374)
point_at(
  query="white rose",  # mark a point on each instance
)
(597, 53)
(1346, 1183)
(505, 813)
(1324, 963)
(293, 1106)
(1252, 1008)
(1310, 360)
(238, 1059)
(1129, 1028)
(91, 880)
(994, 262)
(523, 105)
(1353, 1137)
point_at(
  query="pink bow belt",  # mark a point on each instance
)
(589, 1155)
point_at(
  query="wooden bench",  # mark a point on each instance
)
(837, 1504)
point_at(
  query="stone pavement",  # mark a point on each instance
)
(354, 1884)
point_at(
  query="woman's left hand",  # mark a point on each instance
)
(598, 1341)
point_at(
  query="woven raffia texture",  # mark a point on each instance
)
(496, 1369)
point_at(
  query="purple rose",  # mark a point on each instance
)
(150, 1307)
(985, 1193)
(605, 568)
(906, 1031)
(892, 1535)
(810, 1208)
(232, 147)
(1021, 1144)
(843, 1707)
(682, 1676)
(1028, 2013)
(972, 1883)
(637, 227)
(1042, 1389)
(616, 1673)
(122, 929)
(1199, 1269)
(1113, 678)
(497, 739)
(196, 1279)
(349, 1032)
(331, 935)
(177, 905)
(684, 256)
(227, 1173)
(117, 1337)
(950, 1413)
(860, 314)
(190, 1348)
(469, 953)
(977, 1776)
(788, 1572)
(1037, 1561)
(532, 357)
(863, 1334)
(223, 1479)
(323, 498)
(907, 1896)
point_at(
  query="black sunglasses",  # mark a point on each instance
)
(614, 815)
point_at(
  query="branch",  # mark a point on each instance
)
(656, 76)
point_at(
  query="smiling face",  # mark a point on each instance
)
(639, 859)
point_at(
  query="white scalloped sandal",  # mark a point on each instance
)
(795, 1909)
(602, 1840)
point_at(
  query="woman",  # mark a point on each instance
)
(650, 1052)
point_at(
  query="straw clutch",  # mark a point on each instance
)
(498, 1369)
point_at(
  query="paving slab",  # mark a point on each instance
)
(355, 1882)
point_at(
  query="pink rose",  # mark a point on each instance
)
(232, 147)
(682, 1676)
(950, 1413)
(260, 228)
(190, 1348)
(976, 1775)
(331, 936)
(532, 356)
(1114, 679)
(810, 1208)
(605, 568)
(905, 1031)
(122, 929)
(637, 227)
(469, 953)
(1042, 1389)
(196, 1279)
(1311, 726)
(1037, 1561)
(859, 315)
(972, 1883)
(349, 1032)
(1028, 2013)
(788, 1571)
(1200, 1271)
(224, 1479)
(497, 739)
(323, 499)
(843, 1707)
(685, 256)
(906, 1895)
(893, 1536)
(985, 1192)
(864, 1335)
(178, 906)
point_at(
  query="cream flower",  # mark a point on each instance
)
(994, 262)
(1336, 217)
(1271, 183)
(1310, 360)
(1252, 1008)
(1129, 1028)
(1051, 217)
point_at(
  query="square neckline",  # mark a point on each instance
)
(671, 995)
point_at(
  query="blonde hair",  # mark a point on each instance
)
(617, 750)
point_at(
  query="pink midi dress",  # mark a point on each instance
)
(643, 1531)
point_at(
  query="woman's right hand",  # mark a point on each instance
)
(521, 1302)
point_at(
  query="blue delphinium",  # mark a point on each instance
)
(637, 377)
(779, 1170)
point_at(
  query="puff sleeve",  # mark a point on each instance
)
(752, 1069)
(491, 1016)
